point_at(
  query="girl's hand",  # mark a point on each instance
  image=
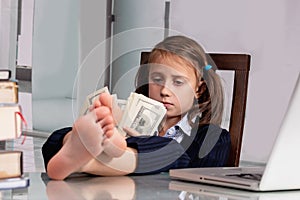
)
(131, 132)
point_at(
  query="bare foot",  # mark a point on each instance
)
(91, 135)
(81, 145)
(114, 144)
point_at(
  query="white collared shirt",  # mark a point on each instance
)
(180, 129)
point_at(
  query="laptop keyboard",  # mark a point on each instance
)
(251, 176)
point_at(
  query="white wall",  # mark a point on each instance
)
(24, 50)
(138, 26)
(268, 30)
(93, 46)
(8, 34)
(55, 60)
(69, 50)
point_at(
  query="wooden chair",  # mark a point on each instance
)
(240, 64)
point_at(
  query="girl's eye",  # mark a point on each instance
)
(178, 82)
(157, 79)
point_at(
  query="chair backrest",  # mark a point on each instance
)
(240, 65)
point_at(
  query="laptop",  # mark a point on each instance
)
(281, 171)
(189, 190)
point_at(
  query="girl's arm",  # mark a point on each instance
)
(209, 147)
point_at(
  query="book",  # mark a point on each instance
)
(5, 74)
(13, 183)
(10, 121)
(11, 164)
(9, 91)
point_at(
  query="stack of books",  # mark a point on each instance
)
(11, 162)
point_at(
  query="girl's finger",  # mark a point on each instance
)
(131, 131)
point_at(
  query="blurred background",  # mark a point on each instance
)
(62, 50)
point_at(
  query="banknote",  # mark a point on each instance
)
(122, 103)
(138, 113)
(142, 114)
(90, 100)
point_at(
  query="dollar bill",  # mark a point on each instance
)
(138, 113)
(142, 114)
(122, 103)
(90, 100)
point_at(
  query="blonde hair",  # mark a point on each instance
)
(209, 105)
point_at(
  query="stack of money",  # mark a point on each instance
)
(89, 100)
(138, 113)
(142, 114)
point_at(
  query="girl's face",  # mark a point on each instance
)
(173, 83)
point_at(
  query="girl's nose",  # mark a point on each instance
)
(165, 91)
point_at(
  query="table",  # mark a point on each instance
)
(158, 186)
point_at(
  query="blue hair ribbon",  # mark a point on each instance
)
(207, 67)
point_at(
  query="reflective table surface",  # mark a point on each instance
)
(158, 186)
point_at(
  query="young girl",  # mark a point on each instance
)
(179, 76)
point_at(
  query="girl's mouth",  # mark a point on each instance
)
(167, 104)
